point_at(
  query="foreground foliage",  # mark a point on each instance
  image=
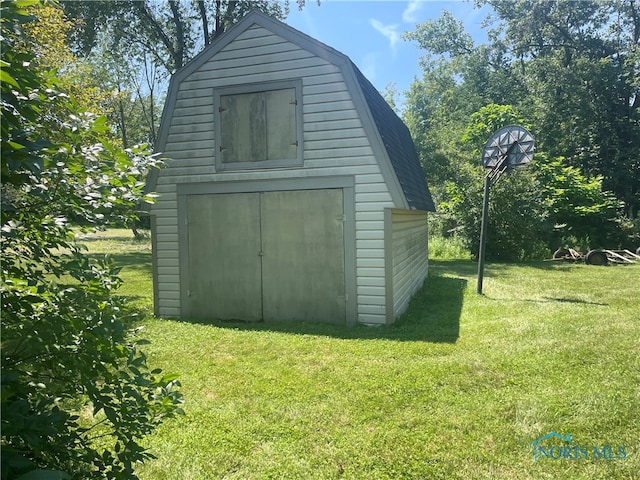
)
(77, 395)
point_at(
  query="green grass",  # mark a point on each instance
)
(450, 248)
(459, 387)
(130, 253)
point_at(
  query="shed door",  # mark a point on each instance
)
(224, 263)
(303, 262)
(271, 256)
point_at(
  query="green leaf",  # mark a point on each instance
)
(5, 77)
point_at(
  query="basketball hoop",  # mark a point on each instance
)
(510, 147)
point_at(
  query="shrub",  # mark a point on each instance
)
(77, 394)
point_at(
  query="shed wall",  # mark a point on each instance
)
(335, 144)
(407, 257)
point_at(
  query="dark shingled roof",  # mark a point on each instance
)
(400, 147)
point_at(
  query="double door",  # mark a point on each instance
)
(275, 255)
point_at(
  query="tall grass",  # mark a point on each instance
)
(458, 388)
(448, 248)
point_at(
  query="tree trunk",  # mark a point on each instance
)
(178, 56)
(205, 23)
(123, 126)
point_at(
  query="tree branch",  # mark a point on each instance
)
(151, 20)
(222, 21)
(218, 18)
(205, 23)
(635, 14)
(177, 20)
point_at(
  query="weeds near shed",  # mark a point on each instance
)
(449, 248)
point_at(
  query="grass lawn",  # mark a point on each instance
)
(459, 387)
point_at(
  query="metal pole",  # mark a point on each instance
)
(483, 232)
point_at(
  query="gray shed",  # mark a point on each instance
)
(292, 190)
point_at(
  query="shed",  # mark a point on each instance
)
(292, 191)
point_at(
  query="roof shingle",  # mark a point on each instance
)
(399, 145)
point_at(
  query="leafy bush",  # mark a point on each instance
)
(533, 210)
(448, 248)
(577, 205)
(77, 394)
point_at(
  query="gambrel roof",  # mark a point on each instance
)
(399, 146)
(390, 138)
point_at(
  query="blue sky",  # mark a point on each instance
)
(370, 32)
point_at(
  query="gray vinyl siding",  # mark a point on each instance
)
(407, 257)
(335, 143)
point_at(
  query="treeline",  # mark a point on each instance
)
(570, 73)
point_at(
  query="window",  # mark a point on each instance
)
(259, 127)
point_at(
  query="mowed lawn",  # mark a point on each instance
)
(459, 388)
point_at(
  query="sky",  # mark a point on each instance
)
(370, 33)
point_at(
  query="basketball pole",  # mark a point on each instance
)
(483, 231)
(508, 148)
(492, 177)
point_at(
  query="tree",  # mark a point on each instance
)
(49, 32)
(97, 85)
(572, 73)
(459, 78)
(142, 42)
(488, 120)
(435, 113)
(134, 83)
(77, 394)
(517, 219)
(580, 62)
(578, 207)
(172, 32)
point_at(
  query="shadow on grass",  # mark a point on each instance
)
(458, 268)
(469, 268)
(114, 238)
(432, 316)
(567, 300)
(138, 261)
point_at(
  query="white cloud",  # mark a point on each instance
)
(311, 25)
(389, 31)
(368, 66)
(409, 13)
